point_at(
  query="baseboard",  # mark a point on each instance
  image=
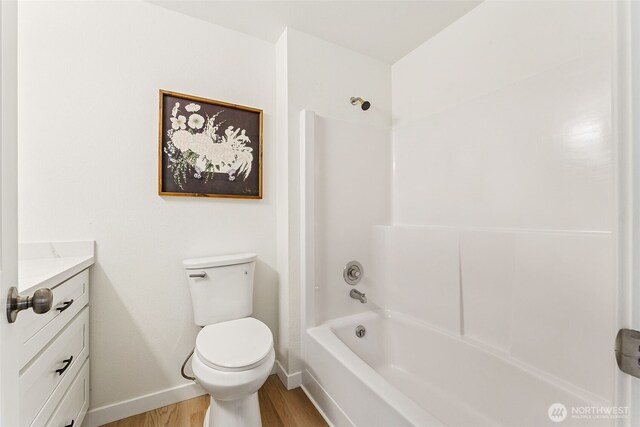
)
(116, 411)
(119, 410)
(290, 381)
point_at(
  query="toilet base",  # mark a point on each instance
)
(234, 413)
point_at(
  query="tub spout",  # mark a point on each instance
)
(356, 294)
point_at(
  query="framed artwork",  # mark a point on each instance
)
(208, 148)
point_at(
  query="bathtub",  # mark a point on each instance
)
(406, 373)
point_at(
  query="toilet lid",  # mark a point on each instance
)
(235, 344)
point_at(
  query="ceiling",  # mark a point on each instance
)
(385, 30)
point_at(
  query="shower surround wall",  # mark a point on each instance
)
(503, 185)
(352, 194)
(501, 231)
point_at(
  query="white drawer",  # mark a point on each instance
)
(75, 403)
(39, 378)
(36, 330)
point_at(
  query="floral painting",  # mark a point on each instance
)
(209, 148)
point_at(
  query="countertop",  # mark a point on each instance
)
(47, 264)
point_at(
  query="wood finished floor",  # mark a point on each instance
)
(279, 407)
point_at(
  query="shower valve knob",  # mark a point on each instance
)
(352, 272)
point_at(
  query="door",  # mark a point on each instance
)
(633, 199)
(8, 210)
(626, 122)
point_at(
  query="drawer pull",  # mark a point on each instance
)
(72, 423)
(65, 305)
(64, 368)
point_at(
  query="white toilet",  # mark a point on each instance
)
(234, 352)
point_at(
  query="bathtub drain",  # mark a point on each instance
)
(360, 331)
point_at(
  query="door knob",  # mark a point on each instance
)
(40, 302)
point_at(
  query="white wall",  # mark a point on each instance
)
(321, 77)
(88, 92)
(503, 186)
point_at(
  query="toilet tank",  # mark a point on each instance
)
(221, 287)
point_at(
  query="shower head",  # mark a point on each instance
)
(363, 104)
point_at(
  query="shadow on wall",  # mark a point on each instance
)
(105, 337)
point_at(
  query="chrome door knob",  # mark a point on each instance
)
(41, 302)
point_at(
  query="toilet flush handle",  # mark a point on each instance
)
(200, 275)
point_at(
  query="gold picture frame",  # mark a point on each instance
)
(208, 148)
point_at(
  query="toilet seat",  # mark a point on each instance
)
(235, 345)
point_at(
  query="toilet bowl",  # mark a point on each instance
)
(234, 354)
(234, 395)
(231, 361)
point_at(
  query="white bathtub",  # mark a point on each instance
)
(403, 373)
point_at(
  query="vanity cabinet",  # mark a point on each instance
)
(54, 347)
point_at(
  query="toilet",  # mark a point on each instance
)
(234, 352)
